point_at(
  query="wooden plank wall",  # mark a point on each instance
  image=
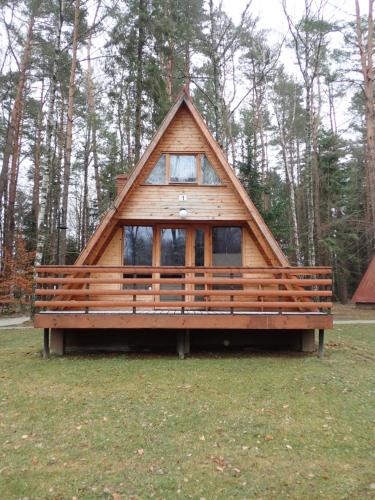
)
(203, 202)
(112, 256)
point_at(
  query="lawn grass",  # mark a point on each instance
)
(271, 425)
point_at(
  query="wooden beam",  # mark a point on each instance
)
(321, 343)
(46, 343)
(193, 321)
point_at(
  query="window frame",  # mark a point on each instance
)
(198, 160)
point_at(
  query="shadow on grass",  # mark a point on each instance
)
(198, 354)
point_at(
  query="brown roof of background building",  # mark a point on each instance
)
(365, 293)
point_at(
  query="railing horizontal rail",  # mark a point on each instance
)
(78, 304)
(242, 293)
(186, 281)
(182, 288)
(175, 270)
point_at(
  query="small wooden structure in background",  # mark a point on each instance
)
(364, 296)
(183, 253)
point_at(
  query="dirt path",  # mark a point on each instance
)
(9, 322)
(354, 321)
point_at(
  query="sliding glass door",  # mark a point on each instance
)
(172, 254)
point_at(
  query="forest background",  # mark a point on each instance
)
(84, 85)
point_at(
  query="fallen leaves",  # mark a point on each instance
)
(268, 437)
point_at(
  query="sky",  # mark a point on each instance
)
(271, 14)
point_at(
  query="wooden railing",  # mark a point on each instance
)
(181, 289)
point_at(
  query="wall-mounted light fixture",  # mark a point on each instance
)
(183, 213)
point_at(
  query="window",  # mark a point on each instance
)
(138, 246)
(226, 246)
(138, 251)
(158, 173)
(227, 251)
(209, 176)
(183, 168)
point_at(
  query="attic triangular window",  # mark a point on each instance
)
(157, 175)
(209, 176)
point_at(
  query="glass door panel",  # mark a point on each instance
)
(173, 254)
(138, 241)
(199, 252)
(227, 252)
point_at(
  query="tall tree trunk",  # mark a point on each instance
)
(37, 154)
(139, 80)
(309, 181)
(366, 55)
(85, 199)
(55, 194)
(316, 181)
(187, 67)
(291, 188)
(12, 140)
(13, 180)
(215, 73)
(92, 117)
(46, 168)
(69, 137)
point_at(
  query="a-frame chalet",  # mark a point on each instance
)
(182, 257)
(364, 296)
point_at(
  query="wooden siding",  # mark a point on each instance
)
(203, 202)
(251, 253)
(112, 256)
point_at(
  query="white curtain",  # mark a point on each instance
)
(183, 168)
(209, 176)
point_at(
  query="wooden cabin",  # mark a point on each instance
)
(182, 256)
(364, 296)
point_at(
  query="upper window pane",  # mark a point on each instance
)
(209, 176)
(173, 243)
(226, 246)
(157, 175)
(138, 245)
(183, 168)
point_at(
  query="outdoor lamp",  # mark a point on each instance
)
(183, 213)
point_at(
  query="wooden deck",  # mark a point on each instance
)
(131, 297)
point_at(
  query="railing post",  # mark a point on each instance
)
(87, 288)
(231, 297)
(134, 295)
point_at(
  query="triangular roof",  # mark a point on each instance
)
(256, 223)
(365, 292)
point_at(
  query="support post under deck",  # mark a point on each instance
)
(321, 344)
(187, 342)
(181, 345)
(46, 343)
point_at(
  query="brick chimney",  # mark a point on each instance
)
(121, 180)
